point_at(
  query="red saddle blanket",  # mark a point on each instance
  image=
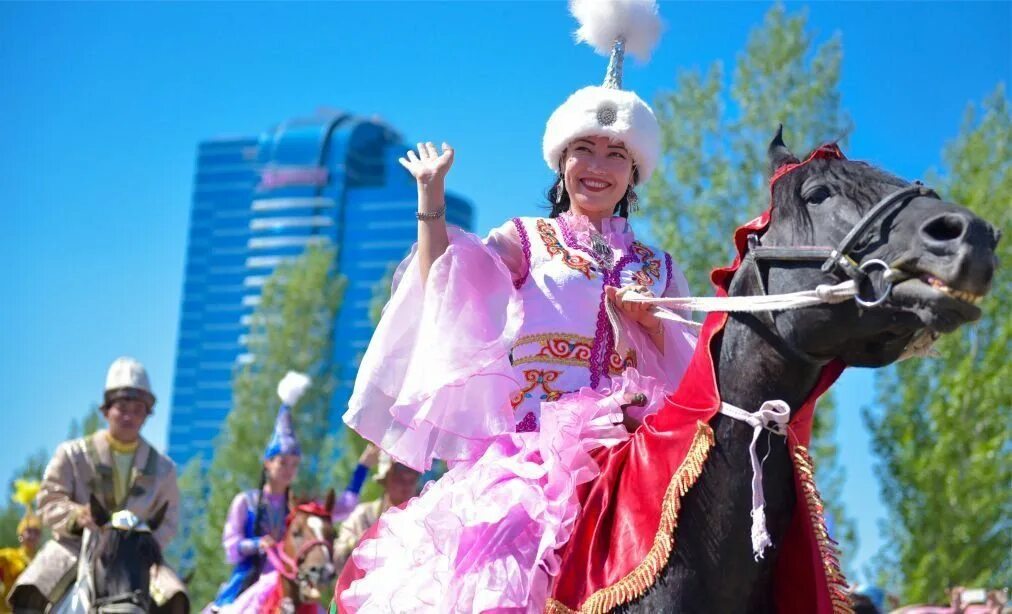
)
(626, 528)
(625, 531)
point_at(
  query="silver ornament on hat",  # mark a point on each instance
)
(613, 77)
(607, 111)
(612, 28)
(607, 26)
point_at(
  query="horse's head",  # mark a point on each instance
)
(308, 546)
(852, 220)
(122, 553)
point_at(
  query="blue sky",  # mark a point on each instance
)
(103, 104)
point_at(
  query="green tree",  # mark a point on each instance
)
(713, 172)
(33, 468)
(291, 329)
(381, 294)
(941, 429)
(91, 422)
(193, 491)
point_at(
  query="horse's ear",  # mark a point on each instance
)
(778, 153)
(155, 521)
(328, 503)
(98, 512)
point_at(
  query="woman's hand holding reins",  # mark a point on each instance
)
(266, 543)
(643, 314)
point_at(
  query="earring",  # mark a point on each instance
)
(562, 188)
(631, 198)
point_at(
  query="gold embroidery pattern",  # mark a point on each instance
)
(651, 269)
(555, 248)
(644, 575)
(616, 364)
(828, 551)
(571, 350)
(537, 378)
(557, 348)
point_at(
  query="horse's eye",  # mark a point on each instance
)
(816, 194)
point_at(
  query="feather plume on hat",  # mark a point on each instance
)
(611, 27)
(283, 441)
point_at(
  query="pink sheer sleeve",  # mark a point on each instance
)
(666, 367)
(511, 244)
(233, 533)
(436, 378)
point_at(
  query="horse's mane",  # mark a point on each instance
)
(113, 540)
(859, 182)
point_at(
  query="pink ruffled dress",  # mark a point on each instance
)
(510, 366)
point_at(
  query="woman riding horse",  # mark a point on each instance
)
(514, 355)
(256, 518)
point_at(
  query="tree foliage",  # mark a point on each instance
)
(91, 422)
(713, 173)
(32, 469)
(291, 329)
(941, 430)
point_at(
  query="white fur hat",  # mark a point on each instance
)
(127, 379)
(611, 27)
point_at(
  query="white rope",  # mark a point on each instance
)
(772, 416)
(772, 302)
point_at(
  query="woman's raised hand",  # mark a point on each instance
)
(428, 166)
(370, 456)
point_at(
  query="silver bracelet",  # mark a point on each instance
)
(434, 215)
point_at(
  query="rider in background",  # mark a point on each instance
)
(399, 483)
(256, 518)
(13, 561)
(124, 472)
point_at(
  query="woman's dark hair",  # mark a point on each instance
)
(260, 501)
(262, 505)
(560, 206)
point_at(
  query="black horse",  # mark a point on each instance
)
(943, 260)
(121, 559)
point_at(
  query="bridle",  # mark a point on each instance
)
(839, 260)
(127, 602)
(291, 567)
(853, 276)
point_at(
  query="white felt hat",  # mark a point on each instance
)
(127, 379)
(612, 27)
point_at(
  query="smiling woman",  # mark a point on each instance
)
(514, 355)
(597, 181)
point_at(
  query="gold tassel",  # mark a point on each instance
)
(828, 551)
(644, 575)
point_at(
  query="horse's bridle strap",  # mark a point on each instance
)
(107, 604)
(839, 258)
(804, 253)
(894, 201)
(289, 566)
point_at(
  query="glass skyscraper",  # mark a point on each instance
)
(330, 178)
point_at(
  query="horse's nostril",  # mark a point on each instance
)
(944, 228)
